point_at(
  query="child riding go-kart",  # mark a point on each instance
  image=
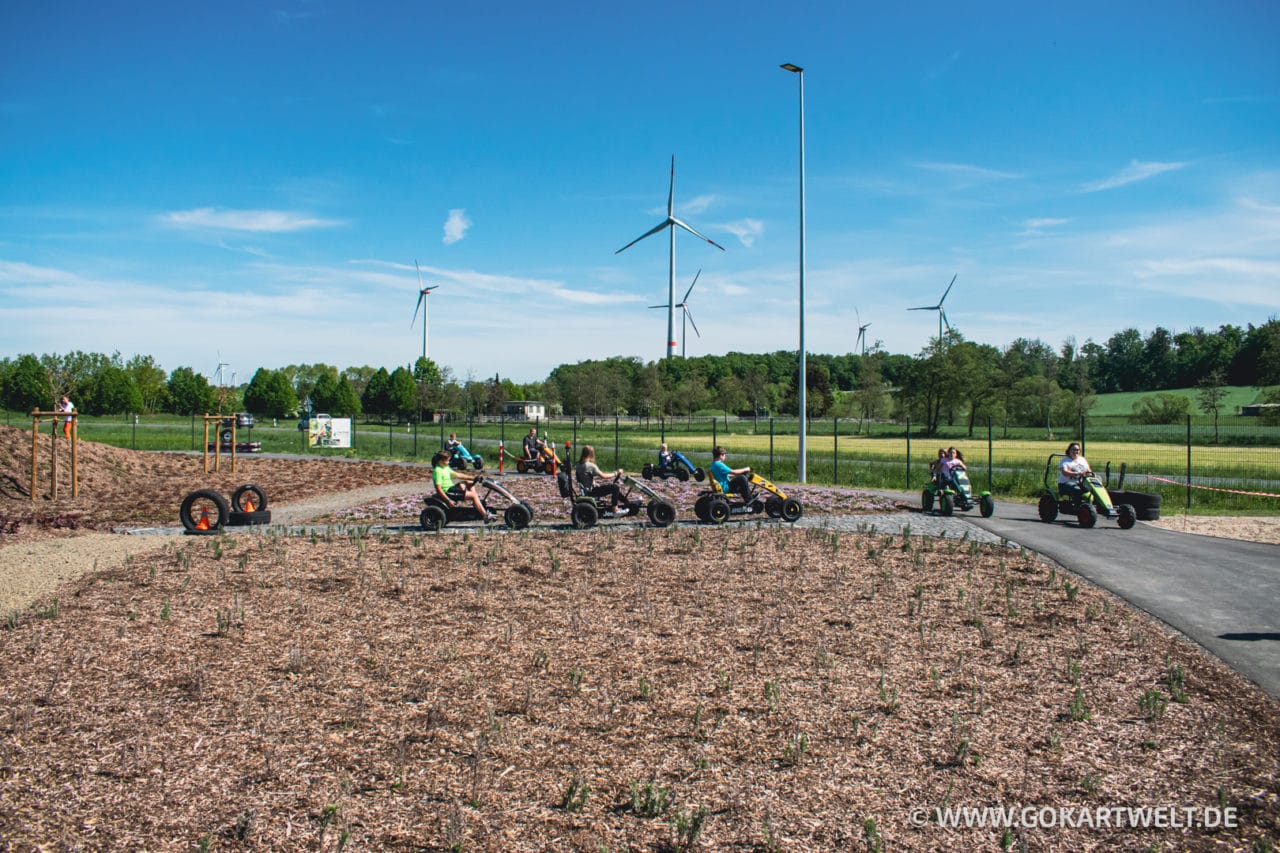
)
(953, 492)
(438, 512)
(586, 510)
(743, 495)
(1086, 502)
(461, 458)
(672, 464)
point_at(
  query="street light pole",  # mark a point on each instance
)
(804, 377)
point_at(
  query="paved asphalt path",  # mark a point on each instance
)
(1222, 593)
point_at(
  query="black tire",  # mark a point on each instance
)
(791, 510)
(1048, 507)
(1146, 505)
(255, 494)
(661, 513)
(699, 474)
(926, 499)
(1126, 517)
(225, 436)
(583, 515)
(700, 508)
(195, 515)
(647, 471)
(1086, 515)
(522, 467)
(773, 506)
(432, 518)
(946, 506)
(682, 474)
(517, 516)
(717, 510)
(238, 518)
(987, 506)
(477, 462)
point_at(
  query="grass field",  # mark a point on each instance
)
(1121, 403)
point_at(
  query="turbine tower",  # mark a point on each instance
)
(672, 223)
(942, 313)
(861, 343)
(422, 303)
(683, 305)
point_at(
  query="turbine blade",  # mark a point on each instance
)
(689, 315)
(671, 192)
(675, 221)
(421, 296)
(419, 269)
(654, 230)
(945, 321)
(659, 306)
(948, 290)
(924, 308)
(690, 290)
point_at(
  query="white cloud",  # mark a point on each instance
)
(698, 204)
(968, 172)
(267, 221)
(456, 226)
(1134, 172)
(1032, 227)
(746, 230)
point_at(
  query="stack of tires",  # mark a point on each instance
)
(1146, 505)
(205, 512)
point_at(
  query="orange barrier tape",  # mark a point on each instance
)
(1210, 488)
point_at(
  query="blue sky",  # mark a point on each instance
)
(254, 181)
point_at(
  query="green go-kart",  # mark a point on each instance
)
(1094, 500)
(956, 494)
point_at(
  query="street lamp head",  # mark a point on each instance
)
(794, 69)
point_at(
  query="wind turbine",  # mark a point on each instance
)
(683, 305)
(861, 343)
(942, 313)
(422, 303)
(672, 223)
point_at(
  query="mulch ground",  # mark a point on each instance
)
(737, 688)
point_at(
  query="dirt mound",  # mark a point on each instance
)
(120, 487)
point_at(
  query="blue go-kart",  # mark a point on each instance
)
(679, 467)
(460, 458)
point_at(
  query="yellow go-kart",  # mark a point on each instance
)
(748, 494)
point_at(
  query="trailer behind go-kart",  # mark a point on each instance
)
(1094, 500)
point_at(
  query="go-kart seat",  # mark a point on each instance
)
(565, 486)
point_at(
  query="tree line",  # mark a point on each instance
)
(951, 380)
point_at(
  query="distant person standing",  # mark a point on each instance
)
(66, 406)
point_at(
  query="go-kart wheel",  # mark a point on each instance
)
(1086, 515)
(1127, 516)
(773, 506)
(717, 510)
(225, 436)
(632, 508)
(647, 471)
(926, 499)
(757, 506)
(700, 508)
(945, 504)
(1048, 507)
(521, 466)
(203, 512)
(987, 506)
(248, 498)
(699, 474)
(583, 515)
(661, 513)
(791, 510)
(432, 518)
(517, 516)
(477, 462)
(682, 474)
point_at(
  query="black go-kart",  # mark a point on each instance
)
(585, 510)
(437, 513)
(680, 467)
(1094, 500)
(749, 494)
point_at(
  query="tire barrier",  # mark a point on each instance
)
(1146, 505)
(205, 512)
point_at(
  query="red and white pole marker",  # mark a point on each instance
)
(501, 453)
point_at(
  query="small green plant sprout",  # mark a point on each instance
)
(1073, 670)
(1089, 784)
(47, 611)
(1006, 840)
(1053, 740)
(888, 696)
(164, 612)
(870, 834)
(1077, 711)
(576, 677)
(688, 828)
(1152, 703)
(644, 689)
(575, 794)
(1177, 683)
(1072, 590)
(772, 695)
(796, 748)
(649, 799)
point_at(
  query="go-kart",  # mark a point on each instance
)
(679, 467)
(956, 494)
(546, 462)
(460, 458)
(1094, 500)
(745, 496)
(586, 510)
(437, 512)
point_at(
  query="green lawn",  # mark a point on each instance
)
(1121, 403)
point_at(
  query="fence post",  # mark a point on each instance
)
(770, 448)
(575, 430)
(662, 428)
(389, 450)
(471, 431)
(990, 471)
(713, 432)
(1188, 461)
(442, 432)
(835, 453)
(415, 435)
(616, 457)
(1082, 435)
(908, 454)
